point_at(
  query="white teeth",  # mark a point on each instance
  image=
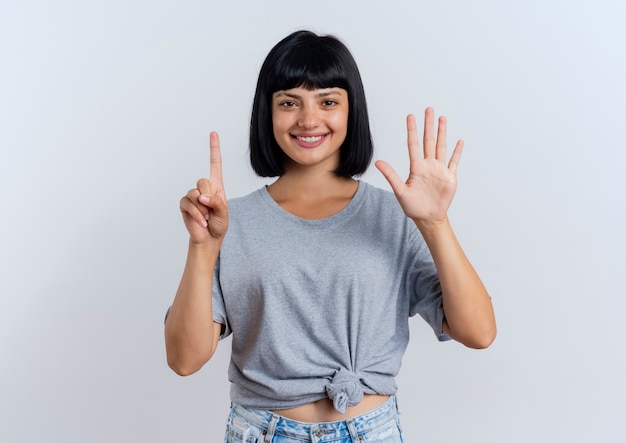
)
(309, 139)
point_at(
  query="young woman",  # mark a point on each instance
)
(316, 275)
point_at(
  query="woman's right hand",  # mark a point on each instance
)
(204, 209)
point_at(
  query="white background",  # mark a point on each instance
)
(105, 111)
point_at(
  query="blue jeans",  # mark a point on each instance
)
(380, 425)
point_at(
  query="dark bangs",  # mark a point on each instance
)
(310, 66)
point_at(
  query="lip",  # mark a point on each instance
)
(309, 141)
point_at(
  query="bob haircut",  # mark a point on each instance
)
(304, 59)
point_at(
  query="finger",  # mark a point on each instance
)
(216, 203)
(442, 129)
(188, 208)
(429, 133)
(196, 198)
(390, 174)
(205, 186)
(456, 156)
(412, 139)
(216, 158)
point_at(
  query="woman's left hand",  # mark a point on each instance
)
(427, 193)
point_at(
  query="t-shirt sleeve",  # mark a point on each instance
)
(426, 298)
(219, 306)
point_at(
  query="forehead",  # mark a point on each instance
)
(301, 92)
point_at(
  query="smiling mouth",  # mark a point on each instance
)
(310, 139)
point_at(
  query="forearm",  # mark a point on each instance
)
(191, 335)
(469, 316)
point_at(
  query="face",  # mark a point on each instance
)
(310, 126)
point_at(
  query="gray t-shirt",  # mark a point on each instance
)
(320, 308)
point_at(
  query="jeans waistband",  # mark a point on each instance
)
(280, 425)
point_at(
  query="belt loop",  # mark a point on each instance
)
(352, 430)
(271, 428)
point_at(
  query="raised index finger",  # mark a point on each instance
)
(216, 158)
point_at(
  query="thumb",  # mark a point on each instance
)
(390, 174)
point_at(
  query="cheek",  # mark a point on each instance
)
(340, 123)
(280, 131)
(276, 129)
(280, 126)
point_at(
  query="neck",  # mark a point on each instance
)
(313, 196)
(311, 186)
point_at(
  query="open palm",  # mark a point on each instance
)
(428, 192)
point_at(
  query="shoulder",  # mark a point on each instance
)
(383, 210)
(252, 211)
(374, 192)
(381, 199)
(246, 202)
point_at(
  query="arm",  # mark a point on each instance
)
(425, 197)
(469, 316)
(191, 335)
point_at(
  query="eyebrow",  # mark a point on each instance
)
(318, 95)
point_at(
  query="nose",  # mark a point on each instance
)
(308, 118)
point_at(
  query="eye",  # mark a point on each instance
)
(329, 102)
(287, 104)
